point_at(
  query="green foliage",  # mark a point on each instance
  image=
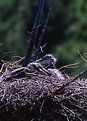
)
(13, 24)
(71, 52)
(75, 36)
(67, 29)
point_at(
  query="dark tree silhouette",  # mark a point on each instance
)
(34, 33)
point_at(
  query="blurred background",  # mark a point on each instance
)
(66, 34)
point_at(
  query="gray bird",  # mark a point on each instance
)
(47, 61)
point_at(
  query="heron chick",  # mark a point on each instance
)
(47, 61)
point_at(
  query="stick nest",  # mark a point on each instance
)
(40, 95)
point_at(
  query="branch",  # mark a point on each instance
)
(43, 31)
(34, 33)
(69, 82)
(39, 14)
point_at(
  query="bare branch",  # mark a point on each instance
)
(34, 33)
(43, 31)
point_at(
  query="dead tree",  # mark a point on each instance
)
(34, 33)
(43, 31)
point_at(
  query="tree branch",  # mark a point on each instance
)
(43, 31)
(34, 33)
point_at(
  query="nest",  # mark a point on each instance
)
(40, 95)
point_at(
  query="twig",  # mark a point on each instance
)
(65, 114)
(69, 82)
(68, 66)
(77, 106)
(82, 56)
(41, 47)
(67, 110)
(42, 104)
(7, 53)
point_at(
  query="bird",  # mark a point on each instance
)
(43, 64)
(47, 61)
